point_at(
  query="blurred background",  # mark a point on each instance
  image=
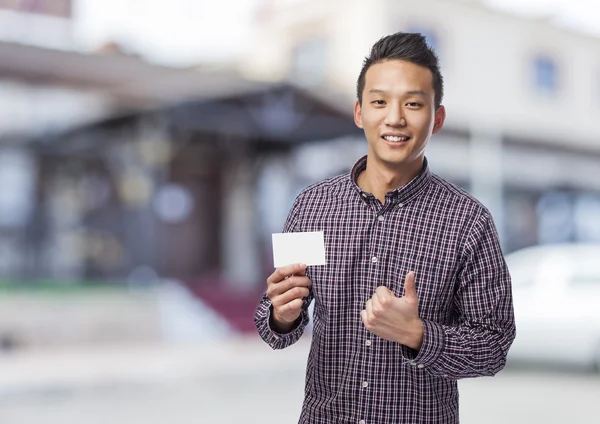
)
(149, 149)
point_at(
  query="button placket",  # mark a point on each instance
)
(377, 218)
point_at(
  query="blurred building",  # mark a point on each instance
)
(92, 165)
(522, 99)
(116, 169)
(119, 168)
(43, 23)
(124, 170)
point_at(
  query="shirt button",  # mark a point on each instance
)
(374, 259)
(362, 422)
(365, 384)
(421, 366)
(380, 218)
(368, 342)
(364, 195)
(413, 363)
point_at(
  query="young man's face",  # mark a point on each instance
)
(398, 113)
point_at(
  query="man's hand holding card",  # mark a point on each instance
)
(288, 285)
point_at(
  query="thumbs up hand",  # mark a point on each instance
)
(395, 318)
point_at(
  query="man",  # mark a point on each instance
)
(415, 294)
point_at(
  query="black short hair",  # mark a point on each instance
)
(411, 47)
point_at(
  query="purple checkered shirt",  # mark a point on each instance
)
(448, 238)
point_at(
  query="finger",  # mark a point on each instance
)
(294, 281)
(289, 296)
(294, 293)
(276, 289)
(383, 295)
(369, 308)
(301, 272)
(285, 271)
(376, 306)
(363, 317)
(289, 312)
(410, 287)
(290, 308)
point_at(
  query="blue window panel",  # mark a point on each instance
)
(545, 74)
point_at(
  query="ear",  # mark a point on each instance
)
(358, 115)
(440, 117)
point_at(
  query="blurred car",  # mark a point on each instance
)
(556, 292)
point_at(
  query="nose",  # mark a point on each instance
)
(395, 116)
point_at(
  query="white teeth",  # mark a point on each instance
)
(394, 138)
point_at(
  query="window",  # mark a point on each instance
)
(545, 74)
(586, 210)
(308, 63)
(555, 217)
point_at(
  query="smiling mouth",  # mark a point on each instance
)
(395, 139)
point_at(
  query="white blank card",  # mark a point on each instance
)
(304, 248)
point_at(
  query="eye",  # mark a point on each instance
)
(378, 102)
(413, 104)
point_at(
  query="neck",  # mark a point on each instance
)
(379, 179)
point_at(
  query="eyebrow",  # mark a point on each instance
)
(410, 93)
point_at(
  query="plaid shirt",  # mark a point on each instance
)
(463, 285)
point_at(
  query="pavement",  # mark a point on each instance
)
(76, 368)
(242, 380)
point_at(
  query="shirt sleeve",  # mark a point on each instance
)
(478, 345)
(262, 316)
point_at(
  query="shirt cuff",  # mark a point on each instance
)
(433, 343)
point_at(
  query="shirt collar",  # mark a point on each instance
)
(400, 195)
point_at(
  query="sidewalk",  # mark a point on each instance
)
(29, 372)
(238, 381)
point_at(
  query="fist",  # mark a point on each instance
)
(395, 318)
(286, 288)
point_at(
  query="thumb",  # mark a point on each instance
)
(410, 287)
